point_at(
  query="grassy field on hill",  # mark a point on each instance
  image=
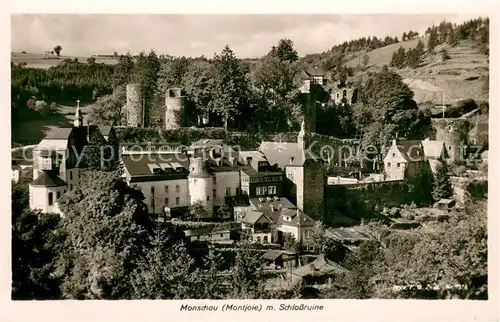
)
(458, 78)
(35, 60)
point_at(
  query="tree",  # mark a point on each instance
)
(386, 107)
(442, 187)
(35, 244)
(91, 60)
(432, 42)
(420, 48)
(172, 73)
(276, 84)
(366, 59)
(108, 109)
(57, 50)
(229, 88)
(96, 153)
(198, 210)
(285, 51)
(444, 55)
(246, 275)
(109, 230)
(290, 243)
(145, 73)
(224, 212)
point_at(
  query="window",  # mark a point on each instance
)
(266, 239)
(166, 189)
(449, 147)
(258, 239)
(152, 202)
(51, 199)
(70, 187)
(177, 188)
(58, 194)
(70, 175)
(177, 201)
(195, 181)
(261, 190)
(388, 164)
(222, 235)
(238, 191)
(228, 191)
(271, 190)
(394, 154)
(398, 165)
(166, 201)
(208, 198)
(64, 191)
(152, 189)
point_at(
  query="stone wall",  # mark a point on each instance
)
(453, 132)
(174, 104)
(314, 189)
(134, 112)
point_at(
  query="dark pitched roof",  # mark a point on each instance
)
(205, 230)
(272, 254)
(249, 170)
(411, 150)
(305, 220)
(48, 179)
(265, 205)
(59, 133)
(141, 166)
(315, 71)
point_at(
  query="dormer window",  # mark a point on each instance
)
(292, 159)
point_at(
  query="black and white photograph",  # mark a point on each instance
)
(249, 157)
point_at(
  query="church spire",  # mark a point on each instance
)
(78, 122)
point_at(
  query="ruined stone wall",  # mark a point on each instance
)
(134, 112)
(454, 134)
(337, 94)
(174, 104)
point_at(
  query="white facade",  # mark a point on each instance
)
(305, 232)
(225, 184)
(296, 175)
(45, 198)
(201, 189)
(166, 193)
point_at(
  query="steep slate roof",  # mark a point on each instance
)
(434, 149)
(315, 71)
(272, 254)
(59, 133)
(207, 143)
(48, 179)
(251, 216)
(346, 234)
(411, 150)
(280, 153)
(320, 265)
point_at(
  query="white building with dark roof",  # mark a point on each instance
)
(57, 163)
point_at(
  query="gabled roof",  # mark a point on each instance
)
(207, 143)
(48, 179)
(315, 71)
(411, 151)
(105, 129)
(434, 149)
(282, 153)
(251, 216)
(52, 145)
(59, 133)
(305, 220)
(272, 254)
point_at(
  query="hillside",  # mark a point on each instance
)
(460, 77)
(34, 60)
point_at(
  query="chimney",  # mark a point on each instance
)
(394, 142)
(272, 207)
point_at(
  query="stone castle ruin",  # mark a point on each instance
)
(134, 108)
(174, 104)
(343, 94)
(453, 132)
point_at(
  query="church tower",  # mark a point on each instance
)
(78, 122)
(311, 193)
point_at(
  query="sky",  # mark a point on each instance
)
(195, 35)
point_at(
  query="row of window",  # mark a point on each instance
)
(177, 189)
(389, 164)
(167, 202)
(271, 190)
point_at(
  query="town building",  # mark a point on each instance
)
(268, 220)
(302, 169)
(404, 160)
(58, 162)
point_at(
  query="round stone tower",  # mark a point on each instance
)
(134, 105)
(174, 103)
(453, 132)
(200, 184)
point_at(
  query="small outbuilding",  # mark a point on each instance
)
(445, 204)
